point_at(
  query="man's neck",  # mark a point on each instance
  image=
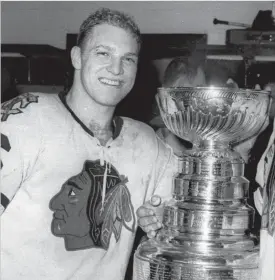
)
(94, 116)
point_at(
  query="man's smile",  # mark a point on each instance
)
(111, 82)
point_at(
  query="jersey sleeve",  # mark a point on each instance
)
(165, 167)
(11, 167)
(19, 145)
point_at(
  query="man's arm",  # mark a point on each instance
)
(166, 166)
(19, 144)
(11, 167)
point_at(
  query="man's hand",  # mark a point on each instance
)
(150, 215)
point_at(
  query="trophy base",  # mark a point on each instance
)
(206, 224)
(163, 261)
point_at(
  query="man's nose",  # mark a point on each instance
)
(116, 67)
(56, 203)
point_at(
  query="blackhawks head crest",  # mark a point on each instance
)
(80, 215)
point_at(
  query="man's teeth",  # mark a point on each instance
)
(110, 82)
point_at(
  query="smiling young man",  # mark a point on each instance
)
(73, 174)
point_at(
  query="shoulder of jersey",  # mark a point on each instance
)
(29, 105)
(142, 129)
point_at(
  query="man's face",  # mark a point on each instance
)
(109, 61)
(70, 207)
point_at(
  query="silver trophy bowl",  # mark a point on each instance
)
(207, 223)
(209, 113)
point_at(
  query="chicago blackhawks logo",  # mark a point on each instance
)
(80, 215)
(14, 106)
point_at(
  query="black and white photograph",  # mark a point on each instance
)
(137, 140)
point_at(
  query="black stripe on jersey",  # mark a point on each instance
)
(4, 201)
(5, 144)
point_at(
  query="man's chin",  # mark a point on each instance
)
(109, 103)
(110, 98)
(58, 227)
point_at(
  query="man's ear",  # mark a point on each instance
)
(76, 57)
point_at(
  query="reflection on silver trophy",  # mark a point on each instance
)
(206, 233)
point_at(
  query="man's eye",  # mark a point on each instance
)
(103, 54)
(72, 193)
(130, 59)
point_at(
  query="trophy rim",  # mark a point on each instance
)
(247, 90)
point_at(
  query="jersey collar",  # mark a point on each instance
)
(117, 122)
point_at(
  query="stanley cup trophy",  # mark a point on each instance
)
(205, 234)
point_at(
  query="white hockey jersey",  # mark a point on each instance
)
(69, 204)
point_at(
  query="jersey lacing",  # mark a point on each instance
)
(104, 160)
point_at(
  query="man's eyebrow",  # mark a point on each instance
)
(111, 49)
(73, 184)
(103, 46)
(132, 54)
